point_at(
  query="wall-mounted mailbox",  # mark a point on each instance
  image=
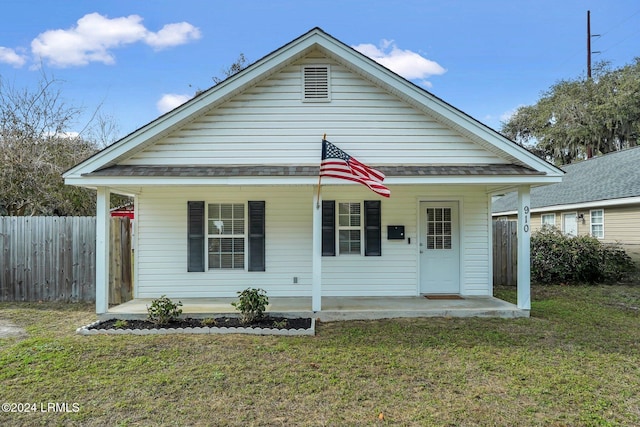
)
(395, 232)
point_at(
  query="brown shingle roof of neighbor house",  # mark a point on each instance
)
(251, 170)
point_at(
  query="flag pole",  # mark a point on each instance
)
(324, 137)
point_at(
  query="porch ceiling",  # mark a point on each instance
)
(337, 308)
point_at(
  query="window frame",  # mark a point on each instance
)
(244, 236)
(359, 228)
(542, 223)
(443, 232)
(591, 223)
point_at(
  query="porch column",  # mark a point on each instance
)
(524, 248)
(316, 270)
(103, 221)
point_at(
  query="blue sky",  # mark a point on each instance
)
(136, 58)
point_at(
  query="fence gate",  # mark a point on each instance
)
(505, 253)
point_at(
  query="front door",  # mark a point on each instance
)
(570, 224)
(439, 248)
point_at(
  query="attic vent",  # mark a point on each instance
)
(316, 83)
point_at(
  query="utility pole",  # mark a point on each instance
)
(588, 44)
(589, 36)
(589, 52)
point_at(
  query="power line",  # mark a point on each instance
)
(621, 41)
(619, 23)
(615, 26)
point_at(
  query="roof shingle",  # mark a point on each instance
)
(612, 176)
(284, 170)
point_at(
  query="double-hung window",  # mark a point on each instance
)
(349, 228)
(226, 235)
(548, 220)
(597, 223)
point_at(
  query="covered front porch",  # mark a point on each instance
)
(337, 308)
(303, 269)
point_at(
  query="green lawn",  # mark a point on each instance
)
(576, 361)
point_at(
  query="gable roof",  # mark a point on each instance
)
(599, 179)
(316, 39)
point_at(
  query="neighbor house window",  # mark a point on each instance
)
(226, 235)
(597, 223)
(349, 228)
(548, 220)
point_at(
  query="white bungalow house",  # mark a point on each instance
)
(226, 198)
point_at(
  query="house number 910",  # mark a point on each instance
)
(526, 219)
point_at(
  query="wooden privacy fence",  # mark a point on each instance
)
(505, 252)
(54, 259)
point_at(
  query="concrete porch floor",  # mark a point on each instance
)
(335, 308)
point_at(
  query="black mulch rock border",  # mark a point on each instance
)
(268, 322)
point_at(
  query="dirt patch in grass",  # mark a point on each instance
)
(9, 329)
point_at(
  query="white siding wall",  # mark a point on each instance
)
(162, 243)
(162, 246)
(269, 124)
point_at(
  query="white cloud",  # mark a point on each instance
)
(408, 64)
(169, 101)
(11, 57)
(95, 36)
(64, 135)
(172, 35)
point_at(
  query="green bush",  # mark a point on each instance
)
(252, 304)
(558, 258)
(163, 310)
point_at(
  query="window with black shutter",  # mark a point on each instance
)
(195, 236)
(328, 228)
(221, 231)
(257, 236)
(358, 229)
(372, 228)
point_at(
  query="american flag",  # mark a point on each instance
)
(338, 164)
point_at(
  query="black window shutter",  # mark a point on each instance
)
(195, 236)
(372, 228)
(328, 228)
(257, 236)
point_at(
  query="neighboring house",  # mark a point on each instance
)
(599, 197)
(225, 186)
(126, 211)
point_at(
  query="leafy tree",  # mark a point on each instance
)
(579, 118)
(36, 147)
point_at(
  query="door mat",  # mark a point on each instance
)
(442, 296)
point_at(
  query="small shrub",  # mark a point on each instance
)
(558, 258)
(252, 304)
(163, 310)
(120, 324)
(280, 324)
(209, 322)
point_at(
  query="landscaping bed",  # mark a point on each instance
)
(267, 325)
